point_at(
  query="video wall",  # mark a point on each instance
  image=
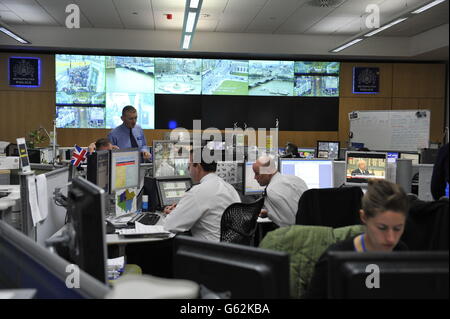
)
(92, 90)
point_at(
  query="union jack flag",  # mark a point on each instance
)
(78, 156)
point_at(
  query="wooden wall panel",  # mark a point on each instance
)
(419, 80)
(346, 80)
(405, 103)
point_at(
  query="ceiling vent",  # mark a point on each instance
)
(325, 3)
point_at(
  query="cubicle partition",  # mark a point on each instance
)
(57, 178)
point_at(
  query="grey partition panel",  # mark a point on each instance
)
(338, 173)
(425, 173)
(56, 214)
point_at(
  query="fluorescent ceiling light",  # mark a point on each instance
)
(13, 35)
(194, 4)
(428, 6)
(347, 45)
(190, 22)
(385, 27)
(186, 41)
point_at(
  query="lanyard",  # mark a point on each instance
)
(363, 244)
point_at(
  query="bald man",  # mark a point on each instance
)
(282, 192)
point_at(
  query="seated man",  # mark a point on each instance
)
(102, 144)
(362, 169)
(200, 209)
(283, 192)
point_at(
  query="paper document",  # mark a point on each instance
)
(32, 199)
(41, 183)
(150, 229)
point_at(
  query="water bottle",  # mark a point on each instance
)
(144, 203)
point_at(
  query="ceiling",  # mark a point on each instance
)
(341, 20)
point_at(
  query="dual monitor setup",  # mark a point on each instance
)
(320, 173)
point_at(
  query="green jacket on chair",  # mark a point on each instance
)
(305, 244)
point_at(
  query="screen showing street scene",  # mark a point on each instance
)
(130, 74)
(178, 76)
(316, 86)
(271, 78)
(144, 104)
(80, 117)
(80, 79)
(225, 77)
(302, 68)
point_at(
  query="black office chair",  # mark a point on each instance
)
(238, 224)
(332, 207)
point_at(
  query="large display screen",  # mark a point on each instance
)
(225, 77)
(273, 78)
(178, 76)
(86, 83)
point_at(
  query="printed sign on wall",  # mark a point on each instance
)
(24, 71)
(366, 80)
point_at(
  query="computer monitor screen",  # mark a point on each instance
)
(27, 265)
(124, 169)
(316, 173)
(328, 149)
(170, 190)
(251, 186)
(309, 153)
(86, 210)
(256, 272)
(415, 157)
(404, 275)
(361, 166)
(171, 158)
(98, 169)
(392, 157)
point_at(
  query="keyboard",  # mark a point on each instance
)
(148, 219)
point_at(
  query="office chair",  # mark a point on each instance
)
(332, 207)
(238, 224)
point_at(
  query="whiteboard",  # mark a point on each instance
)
(403, 130)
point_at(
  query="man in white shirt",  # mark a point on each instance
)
(200, 209)
(283, 192)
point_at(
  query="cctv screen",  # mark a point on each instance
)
(171, 191)
(328, 149)
(315, 173)
(361, 166)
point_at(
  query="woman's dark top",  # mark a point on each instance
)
(439, 178)
(318, 287)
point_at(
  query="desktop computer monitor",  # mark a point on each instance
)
(328, 149)
(256, 272)
(27, 265)
(362, 166)
(170, 190)
(251, 186)
(404, 275)
(414, 156)
(170, 158)
(309, 153)
(124, 166)
(317, 173)
(392, 157)
(86, 210)
(98, 169)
